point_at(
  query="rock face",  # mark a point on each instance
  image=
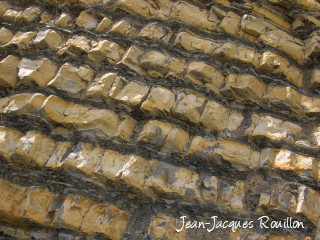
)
(144, 119)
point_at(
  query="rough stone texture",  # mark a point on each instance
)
(119, 117)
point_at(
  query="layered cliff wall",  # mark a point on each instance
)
(119, 117)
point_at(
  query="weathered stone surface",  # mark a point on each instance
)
(155, 132)
(125, 28)
(38, 205)
(9, 71)
(195, 43)
(308, 203)
(106, 49)
(21, 39)
(72, 79)
(237, 154)
(159, 102)
(231, 23)
(104, 24)
(131, 59)
(10, 15)
(64, 21)
(29, 14)
(200, 73)
(157, 32)
(38, 72)
(34, 149)
(164, 227)
(274, 129)
(4, 6)
(12, 199)
(176, 141)
(76, 46)
(102, 122)
(72, 212)
(132, 94)
(195, 16)
(174, 181)
(47, 39)
(24, 103)
(5, 35)
(215, 116)
(155, 63)
(189, 106)
(315, 78)
(85, 20)
(99, 87)
(108, 220)
(202, 147)
(8, 141)
(231, 196)
(248, 87)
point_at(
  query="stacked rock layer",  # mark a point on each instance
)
(118, 117)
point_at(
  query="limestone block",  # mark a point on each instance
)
(4, 6)
(103, 25)
(142, 8)
(90, 3)
(29, 14)
(202, 147)
(175, 181)
(215, 116)
(70, 215)
(100, 86)
(231, 196)
(38, 205)
(25, 103)
(252, 25)
(106, 49)
(102, 122)
(38, 72)
(64, 21)
(85, 20)
(34, 149)
(85, 159)
(315, 78)
(12, 199)
(164, 227)
(194, 43)
(194, 16)
(126, 127)
(45, 18)
(131, 59)
(112, 165)
(77, 45)
(200, 73)
(21, 39)
(156, 32)
(72, 79)
(132, 94)
(155, 132)
(9, 71)
(159, 102)
(210, 190)
(47, 39)
(156, 64)
(10, 15)
(8, 141)
(309, 203)
(275, 129)
(56, 158)
(176, 141)
(231, 23)
(248, 87)
(124, 28)
(237, 154)
(108, 220)
(135, 172)
(189, 106)
(5, 35)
